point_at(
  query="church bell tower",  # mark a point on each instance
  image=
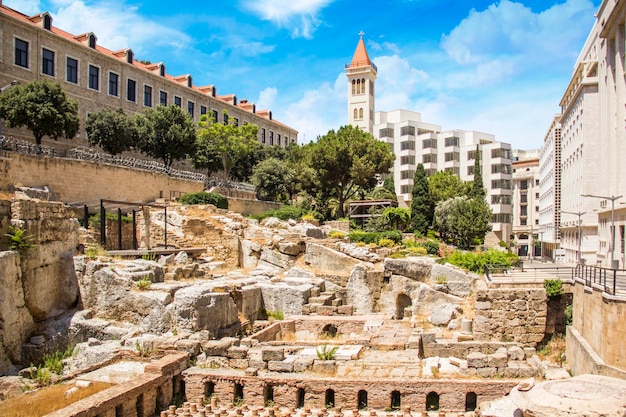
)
(361, 73)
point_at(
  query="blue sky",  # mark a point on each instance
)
(499, 67)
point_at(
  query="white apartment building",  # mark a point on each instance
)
(525, 206)
(550, 188)
(415, 142)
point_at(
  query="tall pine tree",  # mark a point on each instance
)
(478, 190)
(422, 208)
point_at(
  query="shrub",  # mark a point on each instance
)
(568, 314)
(94, 221)
(375, 237)
(144, 283)
(432, 247)
(386, 243)
(203, 197)
(19, 240)
(336, 234)
(308, 217)
(327, 353)
(554, 288)
(476, 261)
(416, 251)
(284, 213)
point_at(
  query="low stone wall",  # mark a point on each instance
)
(251, 207)
(288, 390)
(599, 320)
(445, 349)
(74, 180)
(510, 314)
(342, 226)
(275, 331)
(151, 392)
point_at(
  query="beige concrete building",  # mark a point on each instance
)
(593, 144)
(525, 205)
(96, 77)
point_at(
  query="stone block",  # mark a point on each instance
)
(257, 364)
(272, 354)
(217, 347)
(237, 352)
(302, 364)
(516, 353)
(326, 310)
(486, 372)
(477, 360)
(497, 360)
(482, 305)
(280, 366)
(345, 310)
(192, 347)
(238, 363)
(325, 367)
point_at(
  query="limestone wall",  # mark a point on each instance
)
(39, 283)
(249, 207)
(151, 392)
(74, 180)
(599, 319)
(413, 393)
(510, 314)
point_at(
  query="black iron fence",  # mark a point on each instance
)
(613, 281)
(89, 154)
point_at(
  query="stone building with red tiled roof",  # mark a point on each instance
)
(96, 77)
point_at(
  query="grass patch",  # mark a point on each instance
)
(203, 197)
(46, 400)
(553, 350)
(144, 283)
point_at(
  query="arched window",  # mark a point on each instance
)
(362, 399)
(432, 401)
(363, 86)
(300, 398)
(395, 400)
(353, 87)
(356, 114)
(329, 398)
(360, 113)
(358, 86)
(470, 401)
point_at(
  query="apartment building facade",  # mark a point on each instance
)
(415, 142)
(96, 77)
(525, 204)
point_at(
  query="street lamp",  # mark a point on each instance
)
(541, 247)
(6, 87)
(612, 241)
(580, 237)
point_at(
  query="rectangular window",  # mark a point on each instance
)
(71, 70)
(431, 172)
(131, 90)
(429, 143)
(191, 109)
(225, 118)
(429, 158)
(236, 123)
(94, 77)
(214, 116)
(500, 199)
(202, 110)
(523, 211)
(470, 170)
(406, 189)
(178, 101)
(523, 185)
(263, 135)
(271, 137)
(452, 141)
(47, 62)
(502, 218)
(523, 198)
(407, 175)
(452, 156)
(501, 153)
(21, 53)
(407, 160)
(147, 96)
(471, 155)
(454, 170)
(501, 169)
(386, 132)
(113, 84)
(407, 144)
(503, 184)
(163, 98)
(523, 222)
(407, 131)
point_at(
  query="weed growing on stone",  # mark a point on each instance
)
(144, 283)
(441, 280)
(327, 353)
(19, 240)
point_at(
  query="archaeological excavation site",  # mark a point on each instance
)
(217, 314)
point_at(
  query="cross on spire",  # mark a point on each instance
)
(361, 33)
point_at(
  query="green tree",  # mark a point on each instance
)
(229, 141)
(242, 171)
(478, 190)
(422, 207)
(397, 217)
(346, 162)
(112, 130)
(463, 220)
(445, 185)
(273, 180)
(43, 108)
(166, 133)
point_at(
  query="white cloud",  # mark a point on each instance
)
(300, 16)
(266, 98)
(117, 26)
(28, 7)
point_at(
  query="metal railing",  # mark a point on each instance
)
(540, 272)
(89, 154)
(613, 281)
